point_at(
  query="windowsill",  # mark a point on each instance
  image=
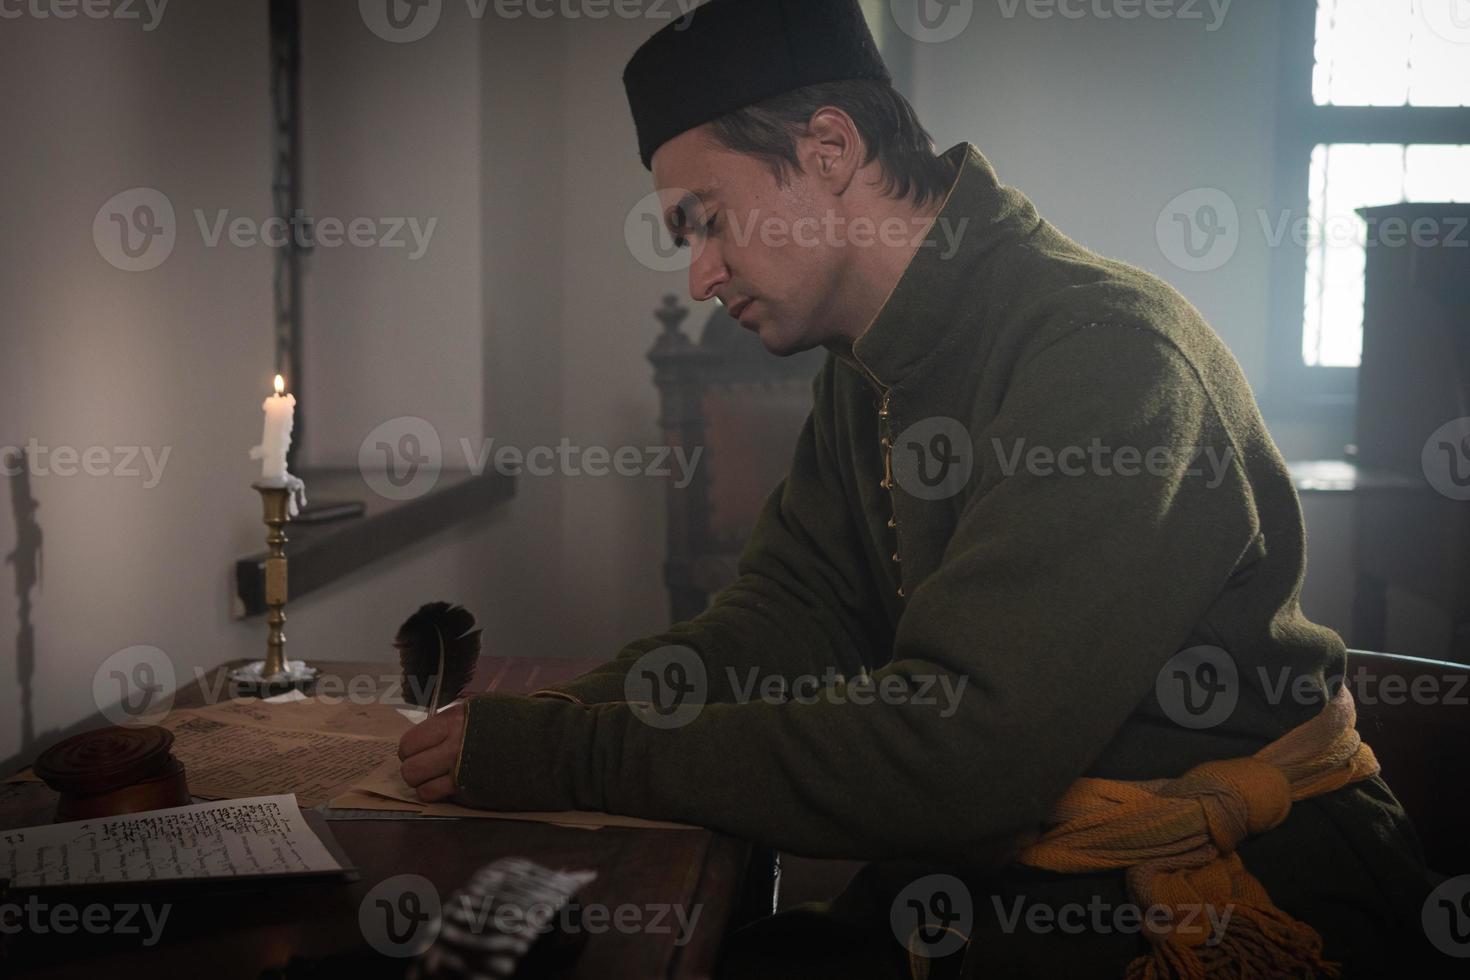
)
(1338, 476)
(320, 554)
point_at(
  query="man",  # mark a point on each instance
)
(1035, 548)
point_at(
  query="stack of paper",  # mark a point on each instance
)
(266, 836)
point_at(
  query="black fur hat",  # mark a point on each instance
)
(728, 54)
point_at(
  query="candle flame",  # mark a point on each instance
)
(280, 384)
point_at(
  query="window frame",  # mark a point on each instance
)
(1295, 387)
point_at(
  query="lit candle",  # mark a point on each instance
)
(280, 413)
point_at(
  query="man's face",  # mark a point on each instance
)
(763, 248)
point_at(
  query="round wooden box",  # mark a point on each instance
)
(114, 770)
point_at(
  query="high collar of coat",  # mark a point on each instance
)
(978, 216)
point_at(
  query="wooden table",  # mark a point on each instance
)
(240, 934)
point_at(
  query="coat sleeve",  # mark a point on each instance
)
(1059, 598)
(803, 602)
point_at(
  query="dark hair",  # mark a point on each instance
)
(887, 123)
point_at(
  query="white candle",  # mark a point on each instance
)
(280, 413)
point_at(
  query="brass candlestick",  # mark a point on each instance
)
(275, 674)
(276, 502)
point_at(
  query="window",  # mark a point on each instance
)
(1392, 53)
(1376, 110)
(1345, 177)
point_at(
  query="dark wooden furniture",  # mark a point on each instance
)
(237, 934)
(1414, 378)
(743, 408)
(1415, 714)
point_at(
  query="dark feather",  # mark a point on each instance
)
(437, 648)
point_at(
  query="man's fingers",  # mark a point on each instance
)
(424, 766)
(422, 737)
(428, 752)
(431, 731)
(436, 789)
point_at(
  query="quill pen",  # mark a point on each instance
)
(437, 648)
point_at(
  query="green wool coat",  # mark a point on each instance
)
(1032, 481)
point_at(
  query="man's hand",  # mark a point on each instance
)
(428, 753)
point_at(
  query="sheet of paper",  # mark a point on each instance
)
(233, 838)
(417, 715)
(379, 719)
(323, 715)
(237, 758)
(384, 788)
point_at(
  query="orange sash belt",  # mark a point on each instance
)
(1176, 838)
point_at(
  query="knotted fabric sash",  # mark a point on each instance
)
(1176, 840)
